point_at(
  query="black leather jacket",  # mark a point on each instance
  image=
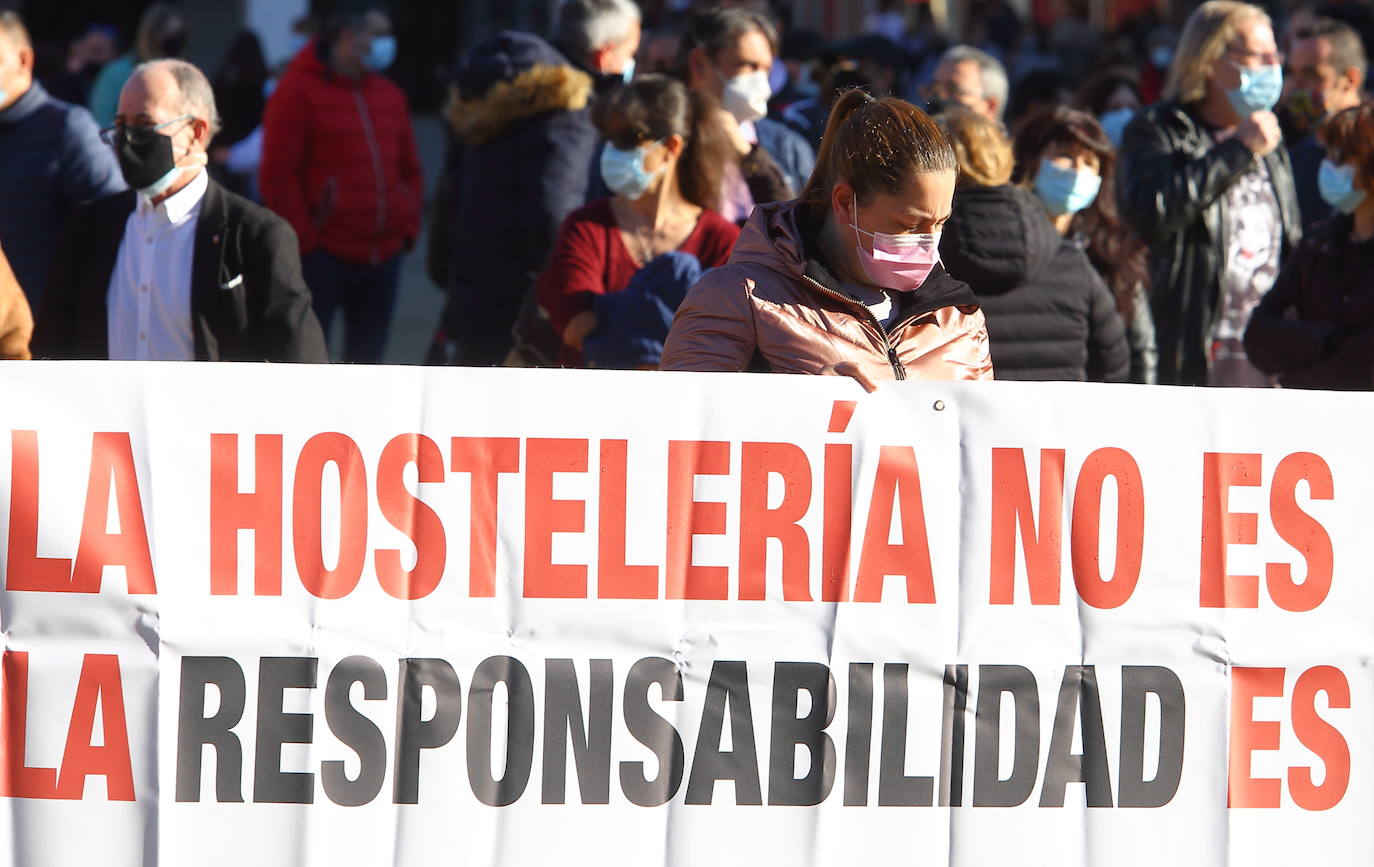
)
(1172, 177)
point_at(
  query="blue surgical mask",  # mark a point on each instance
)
(1065, 191)
(1161, 56)
(382, 53)
(628, 73)
(623, 170)
(1337, 186)
(1259, 89)
(1114, 124)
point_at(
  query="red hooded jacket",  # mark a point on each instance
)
(339, 161)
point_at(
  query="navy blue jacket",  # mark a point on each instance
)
(517, 165)
(633, 324)
(51, 160)
(1306, 155)
(790, 151)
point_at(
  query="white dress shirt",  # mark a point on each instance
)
(149, 299)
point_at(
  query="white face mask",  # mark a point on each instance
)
(746, 95)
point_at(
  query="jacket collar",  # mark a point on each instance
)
(182, 204)
(33, 99)
(602, 82)
(537, 90)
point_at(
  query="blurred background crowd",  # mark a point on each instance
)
(540, 182)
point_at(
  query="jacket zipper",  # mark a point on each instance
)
(892, 358)
(375, 150)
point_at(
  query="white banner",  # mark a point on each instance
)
(290, 615)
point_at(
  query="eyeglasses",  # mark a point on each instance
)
(136, 135)
(1257, 58)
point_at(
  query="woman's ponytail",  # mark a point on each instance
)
(817, 190)
(876, 146)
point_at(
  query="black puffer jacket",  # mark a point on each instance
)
(1050, 316)
(1316, 326)
(1170, 180)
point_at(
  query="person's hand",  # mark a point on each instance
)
(578, 328)
(732, 130)
(854, 372)
(1260, 133)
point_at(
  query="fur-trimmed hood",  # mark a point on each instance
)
(511, 77)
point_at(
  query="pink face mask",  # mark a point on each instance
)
(898, 262)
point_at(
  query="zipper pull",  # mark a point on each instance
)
(896, 362)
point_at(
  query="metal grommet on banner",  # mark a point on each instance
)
(939, 406)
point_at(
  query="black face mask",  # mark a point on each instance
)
(145, 159)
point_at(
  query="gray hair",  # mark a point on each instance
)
(195, 96)
(587, 25)
(12, 26)
(990, 71)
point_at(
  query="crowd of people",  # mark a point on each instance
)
(1185, 200)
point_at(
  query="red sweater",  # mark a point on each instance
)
(339, 161)
(590, 259)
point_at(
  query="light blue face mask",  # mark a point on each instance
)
(382, 53)
(1114, 124)
(1259, 89)
(1337, 187)
(1161, 56)
(1065, 191)
(628, 73)
(623, 170)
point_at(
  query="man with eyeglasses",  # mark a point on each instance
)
(974, 79)
(177, 268)
(1203, 180)
(51, 160)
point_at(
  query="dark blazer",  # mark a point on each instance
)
(249, 301)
